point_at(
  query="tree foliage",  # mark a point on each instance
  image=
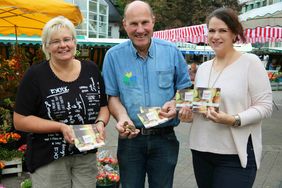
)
(180, 13)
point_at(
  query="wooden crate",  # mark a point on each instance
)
(13, 166)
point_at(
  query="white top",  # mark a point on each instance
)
(245, 90)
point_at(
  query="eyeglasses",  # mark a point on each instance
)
(66, 41)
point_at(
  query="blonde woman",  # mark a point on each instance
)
(54, 94)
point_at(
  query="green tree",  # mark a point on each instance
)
(181, 13)
(203, 8)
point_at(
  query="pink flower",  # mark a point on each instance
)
(22, 148)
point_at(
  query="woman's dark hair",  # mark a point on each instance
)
(230, 18)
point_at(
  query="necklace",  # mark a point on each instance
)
(212, 85)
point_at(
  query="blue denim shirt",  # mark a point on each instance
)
(145, 82)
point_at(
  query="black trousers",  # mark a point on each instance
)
(224, 171)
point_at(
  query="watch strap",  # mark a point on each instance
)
(99, 120)
(237, 122)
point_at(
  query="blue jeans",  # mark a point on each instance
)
(221, 171)
(155, 155)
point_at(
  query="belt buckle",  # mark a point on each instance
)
(145, 131)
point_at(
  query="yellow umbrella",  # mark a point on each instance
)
(29, 16)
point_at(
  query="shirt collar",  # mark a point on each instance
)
(135, 53)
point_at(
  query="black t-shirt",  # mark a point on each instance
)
(44, 95)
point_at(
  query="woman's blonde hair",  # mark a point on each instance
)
(52, 26)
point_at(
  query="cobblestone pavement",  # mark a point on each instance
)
(269, 175)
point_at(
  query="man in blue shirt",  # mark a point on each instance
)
(144, 72)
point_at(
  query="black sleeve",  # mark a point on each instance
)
(27, 94)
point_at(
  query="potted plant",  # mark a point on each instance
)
(108, 171)
(26, 183)
(7, 142)
(9, 138)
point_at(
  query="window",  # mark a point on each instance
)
(93, 6)
(95, 22)
(258, 5)
(270, 2)
(110, 32)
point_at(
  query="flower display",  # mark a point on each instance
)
(12, 71)
(2, 164)
(107, 178)
(22, 148)
(8, 154)
(108, 171)
(107, 160)
(9, 137)
(13, 66)
(272, 76)
(6, 119)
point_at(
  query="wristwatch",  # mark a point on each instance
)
(237, 122)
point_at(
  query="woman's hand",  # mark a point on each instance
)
(168, 110)
(219, 117)
(68, 133)
(185, 114)
(100, 128)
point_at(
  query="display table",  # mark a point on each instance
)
(276, 86)
(13, 166)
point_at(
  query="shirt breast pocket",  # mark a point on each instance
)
(165, 79)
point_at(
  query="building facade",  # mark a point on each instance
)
(253, 4)
(262, 13)
(101, 19)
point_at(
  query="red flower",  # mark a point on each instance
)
(106, 178)
(108, 171)
(22, 148)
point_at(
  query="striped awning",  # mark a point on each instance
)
(193, 34)
(264, 34)
(198, 34)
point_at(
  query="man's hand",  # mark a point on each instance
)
(126, 130)
(185, 114)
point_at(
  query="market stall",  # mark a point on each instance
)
(193, 34)
(264, 34)
(198, 34)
